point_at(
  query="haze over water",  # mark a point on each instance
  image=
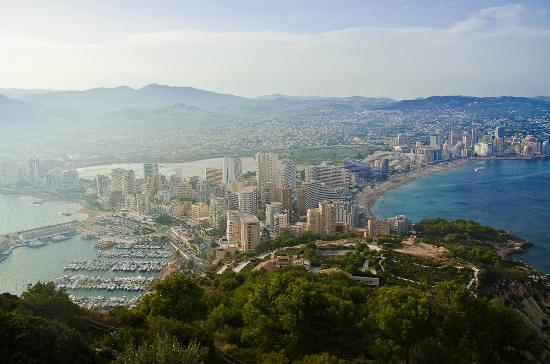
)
(510, 194)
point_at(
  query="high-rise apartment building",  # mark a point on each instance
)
(217, 213)
(400, 224)
(474, 138)
(484, 149)
(378, 228)
(267, 167)
(243, 229)
(249, 200)
(457, 135)
(250, 232)
(400, 140)
(214, 176)
(435, 140)
(150, 169)
(232, 170)
(322, 219)
(102, 185)
(270, 211)
(199, 211)
(316, 192)
(287, 174)
(331, 175)
(52, 181)
(499, 132)
(123, 180)
(34, 172)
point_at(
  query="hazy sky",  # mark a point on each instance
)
(392, 48)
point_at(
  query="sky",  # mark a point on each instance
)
(390, 48)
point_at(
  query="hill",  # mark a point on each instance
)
(482, 106)
(17, 93)
(425, 312)
(103, 100)
(14, 111)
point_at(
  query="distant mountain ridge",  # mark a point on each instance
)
(481, 105)
(103, 100)
(18, 111)
(154, 98)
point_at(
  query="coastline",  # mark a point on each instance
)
(370, 195)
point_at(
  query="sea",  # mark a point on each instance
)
(509, 194)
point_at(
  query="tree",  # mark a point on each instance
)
(30, 339)
(480, 330)
(45, 300)
(178, 297)
(302, 314)
(402, 320)
(163, 219)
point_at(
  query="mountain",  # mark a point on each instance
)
(140, 121)
(16, 93)
(19, 111)
(479, 105)
(322, 100)
(104, 100)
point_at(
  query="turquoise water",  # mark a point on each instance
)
(508, 194)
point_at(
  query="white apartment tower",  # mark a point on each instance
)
(232, 170)
(123, 180)
(249, 199)
(287, 174)
(270, 211)
(267, 167)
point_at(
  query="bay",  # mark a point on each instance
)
(509, 194)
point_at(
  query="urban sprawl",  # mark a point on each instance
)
(181, 222)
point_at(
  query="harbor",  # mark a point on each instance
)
(115, 266)
(102, 262)
(81, 281)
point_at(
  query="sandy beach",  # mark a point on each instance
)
(370, 194)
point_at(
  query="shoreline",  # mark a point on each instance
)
(370, 195)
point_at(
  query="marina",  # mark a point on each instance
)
(81, 281)
(104, 302)
(115, 266)
(114, 259)
(134, 253)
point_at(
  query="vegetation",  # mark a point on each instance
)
(93, 203)
(402, 269)
(474, 243)
(163, 219)
(281, 317)
(289, 316)
(287, 240)
(318, 154)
